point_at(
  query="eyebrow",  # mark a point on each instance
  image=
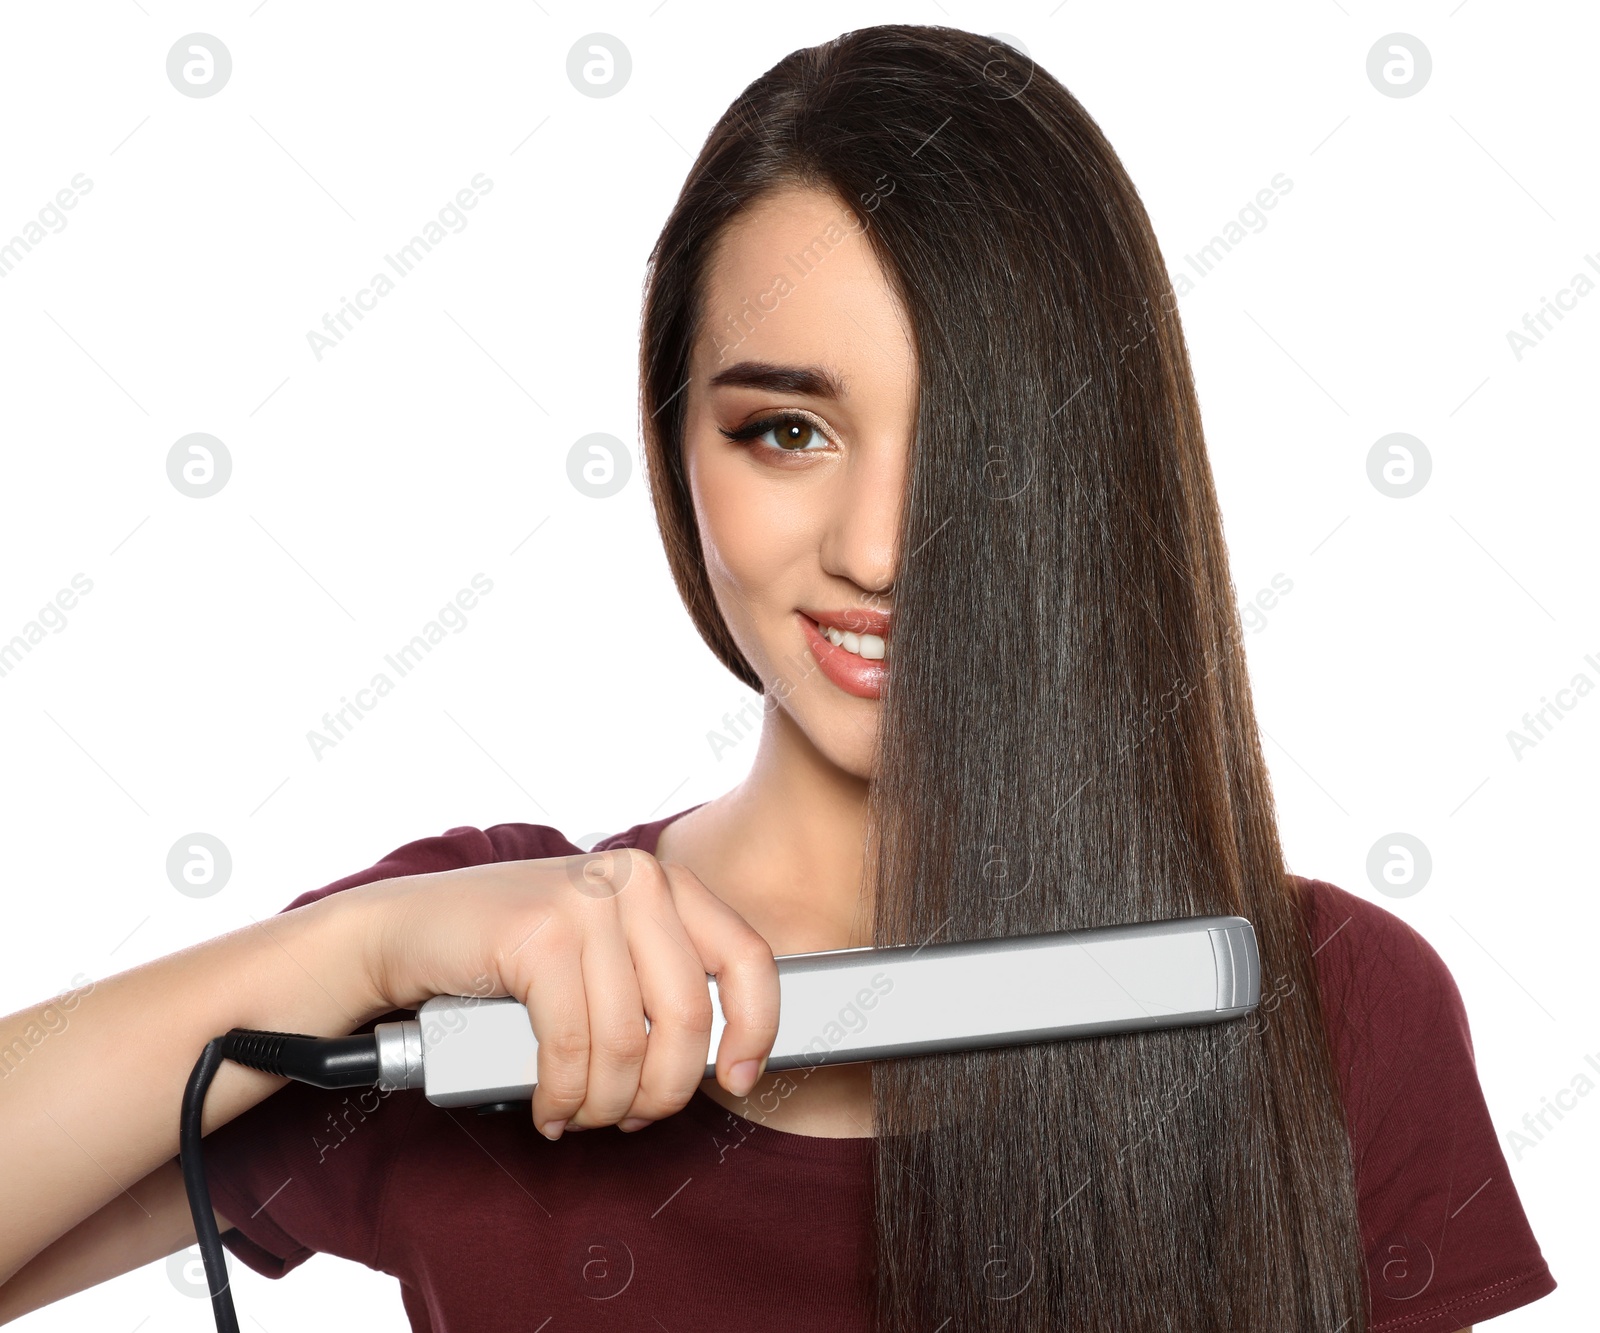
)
(814, 381)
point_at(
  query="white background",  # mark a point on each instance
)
(369, 486)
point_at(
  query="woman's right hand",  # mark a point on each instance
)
(590, 944)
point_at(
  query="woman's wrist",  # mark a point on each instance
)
(375, 917)
(346, 931)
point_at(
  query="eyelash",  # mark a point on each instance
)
(756, 429)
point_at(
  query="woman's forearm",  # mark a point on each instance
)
(90, 1095)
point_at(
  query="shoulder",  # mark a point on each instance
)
(1378, 977)
(1332, 912)
(1446, 1238)
(464, 845)
(1396, 1024)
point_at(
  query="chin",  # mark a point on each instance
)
(841, 726)
(844, 736)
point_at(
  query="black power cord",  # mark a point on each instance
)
(323, 1062)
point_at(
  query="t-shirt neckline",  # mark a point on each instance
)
(646, 837)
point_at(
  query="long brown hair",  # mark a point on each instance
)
(1067, 737)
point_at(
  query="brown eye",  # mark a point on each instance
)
(788, 432)
(793, 434)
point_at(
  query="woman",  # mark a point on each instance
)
(926, 456)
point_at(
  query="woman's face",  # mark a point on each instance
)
(800, 522)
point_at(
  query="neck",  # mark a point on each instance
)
(784, 847)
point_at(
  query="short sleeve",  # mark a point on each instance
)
(306, 1170)
(1446, 1239)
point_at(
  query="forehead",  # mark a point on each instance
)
(794, 280)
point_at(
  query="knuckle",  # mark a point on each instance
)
(598, 876)
(562, 1090)
(645, 874)
(522, 952)
(659, 1098)
(565, 1048)
(752, 954)
(552, 933)
(759, 1023)
(754, 1013)
(622, 1049)
(691, 1010)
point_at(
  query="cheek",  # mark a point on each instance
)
(756, 530)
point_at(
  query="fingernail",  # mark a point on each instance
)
(632, 1123)
(552, 1129)
(742, 1077)
(575, 1129)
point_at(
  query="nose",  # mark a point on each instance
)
(860, 539)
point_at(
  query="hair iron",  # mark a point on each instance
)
(839, 1006)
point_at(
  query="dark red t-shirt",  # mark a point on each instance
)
(706, 1219)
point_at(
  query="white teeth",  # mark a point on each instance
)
(870, 646)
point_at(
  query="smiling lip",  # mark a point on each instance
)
(853, 674)
(858, 620)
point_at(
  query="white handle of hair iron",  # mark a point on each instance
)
(843, 1006)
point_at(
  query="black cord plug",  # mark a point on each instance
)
(323, 1062)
